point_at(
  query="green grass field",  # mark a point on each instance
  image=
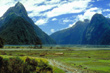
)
(88, 61)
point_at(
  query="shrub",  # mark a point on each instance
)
(1, 62)
(5, 68)
(16, 65)
(32, 64)
(44, 67)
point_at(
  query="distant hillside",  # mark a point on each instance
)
(71, 35)
(95, 32)
(19, 10)
(98, 31)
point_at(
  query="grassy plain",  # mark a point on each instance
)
(88, 61)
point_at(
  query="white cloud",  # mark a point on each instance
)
(54, 19)
(55, 7)
(41, 21)
(76, 6)
(5, 4)
(30, 5)
(67, 20)
(89, 13)
(108, 16)
(70, 25)
(36, 11)
(53, 1)
(34, 19)
(52, 30)
(106, 10)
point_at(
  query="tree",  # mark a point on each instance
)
(1, 43)
(38, 45)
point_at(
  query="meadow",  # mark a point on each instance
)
(74, 58)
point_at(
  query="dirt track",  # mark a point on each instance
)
(63, 67)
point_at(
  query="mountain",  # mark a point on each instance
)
(18, 31)
(95, 32)
(98, 31)
(19, 10)
(71, 35)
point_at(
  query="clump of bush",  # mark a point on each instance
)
(16, 65)
(3, 53)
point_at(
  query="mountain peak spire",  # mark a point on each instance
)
(97, 17)
(19, 4)
(18, 10)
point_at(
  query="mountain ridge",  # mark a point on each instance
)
(70, 35)
(98, 27)
(19, 32)
(19, 10)
(96, 32)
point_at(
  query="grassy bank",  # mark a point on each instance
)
(26, 64)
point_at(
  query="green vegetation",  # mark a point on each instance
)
(1, 43)
(57, 70)
(24, 65)
(90, 61)
(18, 31)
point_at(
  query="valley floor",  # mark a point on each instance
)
(74, 59)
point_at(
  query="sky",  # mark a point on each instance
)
(55, 15)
